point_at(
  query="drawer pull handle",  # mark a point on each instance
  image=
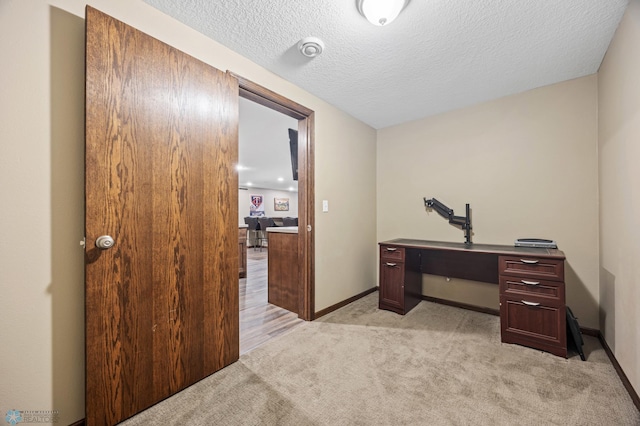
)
(391, 249)
(530, 303)
(531, 262)
(391, 264)
(530, 282)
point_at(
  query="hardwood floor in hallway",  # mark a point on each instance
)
(259, 320)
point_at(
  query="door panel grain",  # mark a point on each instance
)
(161, 145)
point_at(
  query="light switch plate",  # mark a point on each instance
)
(325, 205)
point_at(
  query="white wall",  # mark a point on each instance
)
(526, 163)
(244, 201)
(41, 170)
(619, 152)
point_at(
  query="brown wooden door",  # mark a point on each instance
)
(161, 145)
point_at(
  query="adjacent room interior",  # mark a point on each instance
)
(268, 189)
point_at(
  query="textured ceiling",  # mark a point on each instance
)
(438, 55)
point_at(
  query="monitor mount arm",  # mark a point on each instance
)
(463, 221)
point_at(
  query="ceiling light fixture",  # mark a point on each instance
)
(381, 12)
(311, 46)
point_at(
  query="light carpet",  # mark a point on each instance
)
(437, 365)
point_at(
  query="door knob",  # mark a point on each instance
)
(104, 242)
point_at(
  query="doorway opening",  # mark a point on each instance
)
(260, 320)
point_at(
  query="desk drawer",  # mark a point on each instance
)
(533, 324)
(549, 291)
(531, 266)
(389, 253)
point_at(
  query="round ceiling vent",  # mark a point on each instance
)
(311, 46)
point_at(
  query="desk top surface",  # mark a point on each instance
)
(283, 229)
(476, 248)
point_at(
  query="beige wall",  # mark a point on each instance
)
(347, 261)
(619, 155)
(41, 170)
(526, 163)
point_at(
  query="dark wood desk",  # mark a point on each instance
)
(531, 284)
